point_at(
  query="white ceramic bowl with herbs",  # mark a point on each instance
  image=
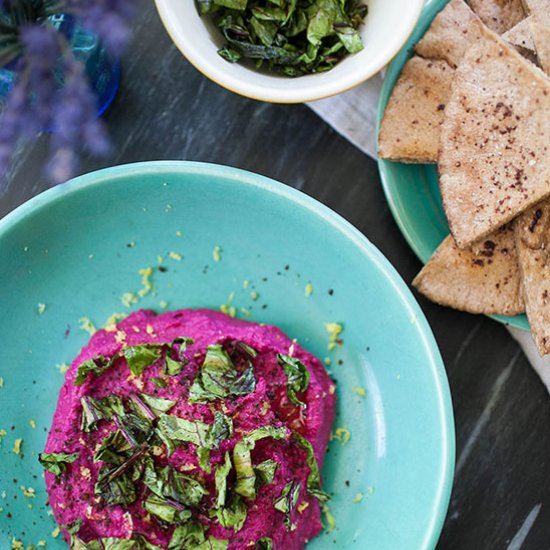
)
(385, 29)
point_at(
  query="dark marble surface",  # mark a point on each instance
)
(167, 110)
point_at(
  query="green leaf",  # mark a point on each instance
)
(182, 430)
(221, 429)
(113, 449)
(189, 535)
(265, 543)
(349, 36)
(297, 375)
(218, 378)
(314, 478)
(242, 459)
(98, 365)
(203, 456)
(171, 366)
(167, 511)
(141, 356)
(287, 501)
(232, 4)
(265, 471)
(213, 544)
(170, 484)
(159, 382)
(232, 516)
(157, 404)
(94, 410)
(222, 471)
(115, 490)
(56, 463)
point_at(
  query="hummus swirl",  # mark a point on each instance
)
(190, 429)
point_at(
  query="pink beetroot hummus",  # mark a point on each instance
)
(209, 431)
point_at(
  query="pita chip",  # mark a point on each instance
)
(541, 39)
(452, 32)
(409, 131)
(521, 37)
(483, 279)
(532, 231)
(499, 15)
(494, 159)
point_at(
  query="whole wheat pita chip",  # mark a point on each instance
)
(539, 8)
(532, 231)
(409, 131)
(452, 32)
(483, 279)
(521, 37)
(494, 159)
(541, 38)
(499, 15)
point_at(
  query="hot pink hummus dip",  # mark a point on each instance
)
(190, 429)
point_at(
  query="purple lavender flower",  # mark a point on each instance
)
(51, 91)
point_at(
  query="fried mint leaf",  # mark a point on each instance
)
(218, 378)
(189, 535)
(233, 515)
(287, 501)
(98, 365)
(222, 471)
(242, 459)
(180, 429)
(141, 356)
(265, 471)
(56, 463)
(297, 374)
(314, 478)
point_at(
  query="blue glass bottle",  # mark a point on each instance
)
(102, 69)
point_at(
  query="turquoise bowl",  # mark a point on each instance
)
(78, 248)
(412, 190)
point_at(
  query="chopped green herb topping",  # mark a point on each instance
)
(189, 535)
(168, 511)
(287, 501)
(141, 356)
(314, 478)
(218, 378)
(265, 471)
(242, 459)
(297, 375)
(222, 471)
(56, 463)
(98, 365)
(291, 38)
(265, 543)
(233, 515)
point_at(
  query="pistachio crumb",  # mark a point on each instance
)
(308, 290)
(87, 325)
(1, 382)
(327, 361)
(217, 254)
(41, 308)
(331, 522)
(17, 446)
(128, 298)
(163, 304)
(175, 256)
(16, 544)
(62, 367)
(343, 435)
(32, 423)
(120, 337)
(334, 330)
(147, 286)
(254, 295)
(41, 543)
(246, 283)
(179, 233)
(28, 492)
(358, 498)
(55, 532)
(360, 391)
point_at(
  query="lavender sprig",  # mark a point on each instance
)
(32, 48)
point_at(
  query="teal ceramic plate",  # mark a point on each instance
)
(79, 247)
(412, 190)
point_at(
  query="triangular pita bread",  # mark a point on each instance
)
(541, 38)
(533, 249)
(452, 32)
(499, 15)
(520, 36)
(409, 131)
(494, 157)
(483, 279)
